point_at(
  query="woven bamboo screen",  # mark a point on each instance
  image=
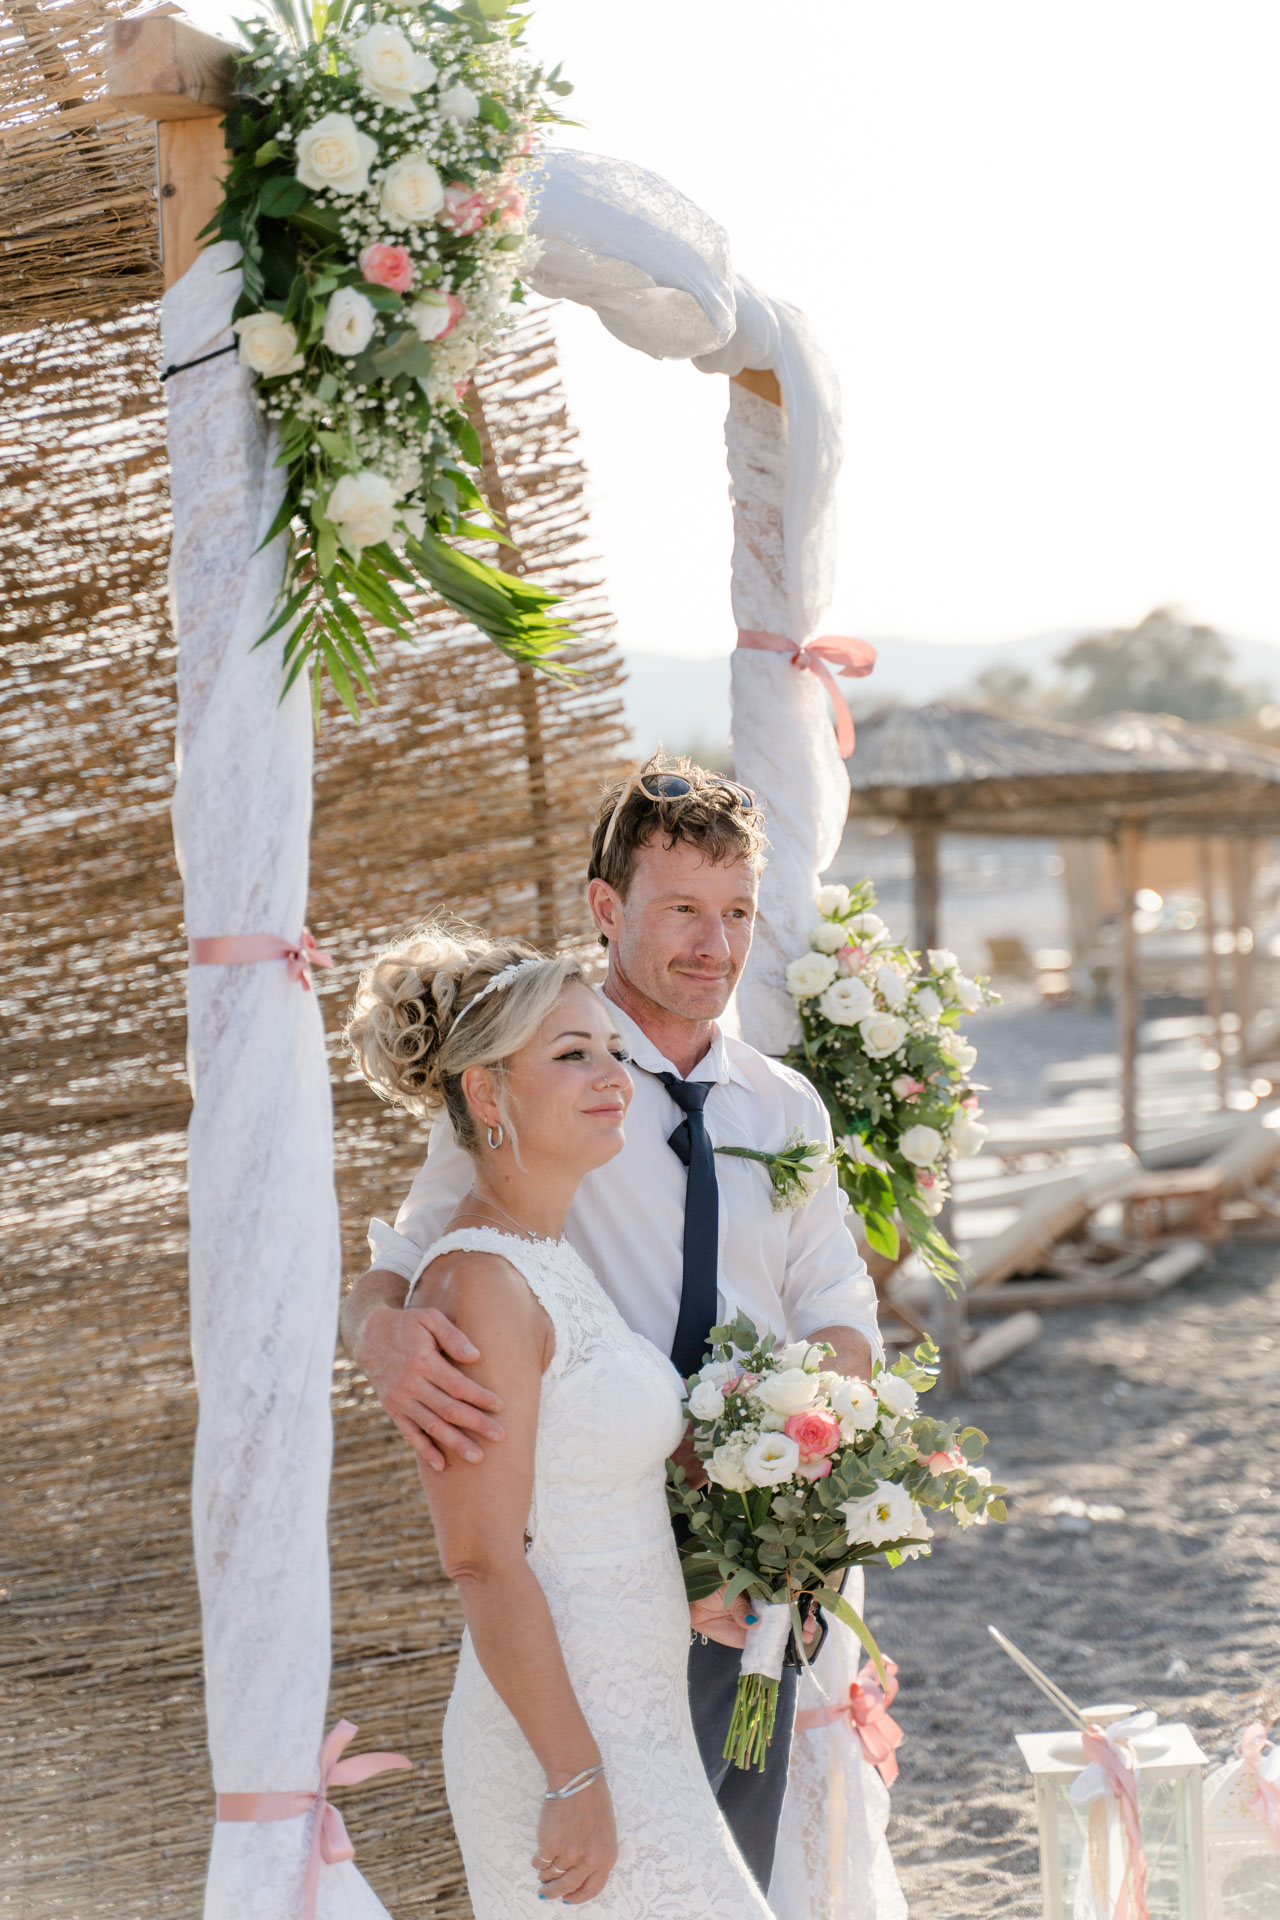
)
(470, 786)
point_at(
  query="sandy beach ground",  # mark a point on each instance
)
(1141, 1561)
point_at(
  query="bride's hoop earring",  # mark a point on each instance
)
(489, 1133)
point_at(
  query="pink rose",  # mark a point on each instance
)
(815, 1433)
(814, 1469)
(972, 1104)
(387, 266)
(511, 207)
(849, 959)
(939, 1463)
(925, 1178)
(463, 209)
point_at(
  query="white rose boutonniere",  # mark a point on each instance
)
(334, 153)
(796, 1172)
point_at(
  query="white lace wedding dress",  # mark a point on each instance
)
(604, 1555)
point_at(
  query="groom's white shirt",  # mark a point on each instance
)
(792, 1272)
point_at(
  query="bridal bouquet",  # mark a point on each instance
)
(881, 1043)
(377, 186)
(809, 1472)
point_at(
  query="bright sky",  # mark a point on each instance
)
(1038, 242)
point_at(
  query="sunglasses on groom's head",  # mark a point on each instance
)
(665, 787)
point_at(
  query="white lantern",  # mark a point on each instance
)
(1086, 1845)
(1242, 1853)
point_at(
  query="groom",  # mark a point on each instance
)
(680, 1239)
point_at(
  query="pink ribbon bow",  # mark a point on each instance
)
(330, 1841)
(867, 1711)
(852, 659)
(1266, 1799)
(1131, 1902)
(235, 949)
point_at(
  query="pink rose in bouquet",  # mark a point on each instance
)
(817, 1434)
(386, 266)
(464, 209)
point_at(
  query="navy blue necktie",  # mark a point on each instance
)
(698, 1294)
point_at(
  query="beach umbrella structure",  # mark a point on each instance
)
(951, 768)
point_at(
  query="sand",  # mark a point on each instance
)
(1141, 1561)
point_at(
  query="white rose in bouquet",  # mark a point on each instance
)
(892, 987)
(706, 1402)
(459, 104)
(882, 1034)
(894, 1392)
(268, 344)
(363, 507)
(800, 1353)
(810, 974)
(928, 1005)
(390, 67)
(725, 1466)
(348, 322)
(964, 1056)
(942, 960)
(771, 1459)
(967, 1135)
(334, 153)
(791, 1390)
(968, 993)
(845, 1002)
(920, 1145)
(833, 899)
(886, 1515)
(827, 937)
(855, 1407)
(412, 191)
(869, 928)
(718, 1373)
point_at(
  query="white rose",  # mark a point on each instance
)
(827, 937)
(928, 1005)
(968, 993)
(268, 344)
(810, 974)
(891, 986)
(942, 960)
(390, 68)
(798, 1353)
(431, 317)
(706, 1402)
(790, 1391)
(726, 1468)
(459, 103)
(348, 321)
(718, 1373)
(833, 899)
(412, 191)
(846, 1001)
(886, 1515)
(895, 1393)
(870, 929)
(921, 1145)
(855, 1407)
(882, 1034)
(967, 1135)
(965, 1056)
(771, 1423)
(771, 1459)
(814, 1171)
(334, 153)
(363, 507)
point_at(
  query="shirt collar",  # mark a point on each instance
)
(716, 1064)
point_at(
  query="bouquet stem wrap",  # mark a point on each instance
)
(756, 1705)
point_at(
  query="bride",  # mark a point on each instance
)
(570, 1759)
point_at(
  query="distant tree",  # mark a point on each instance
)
(1010, 690)
(1166, 664)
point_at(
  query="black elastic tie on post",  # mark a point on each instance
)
(215, 355)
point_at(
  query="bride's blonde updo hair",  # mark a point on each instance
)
(406, 1026)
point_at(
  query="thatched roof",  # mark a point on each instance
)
(971, 770)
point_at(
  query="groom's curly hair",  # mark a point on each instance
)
(716, 814)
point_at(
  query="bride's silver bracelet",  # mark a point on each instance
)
(576, 1785)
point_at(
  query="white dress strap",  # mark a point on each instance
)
(536, 1261)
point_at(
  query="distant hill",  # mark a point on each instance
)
(685, 703)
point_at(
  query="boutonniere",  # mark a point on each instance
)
(796, 1172)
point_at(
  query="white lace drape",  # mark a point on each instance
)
(264, 1226)
(657, 271)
